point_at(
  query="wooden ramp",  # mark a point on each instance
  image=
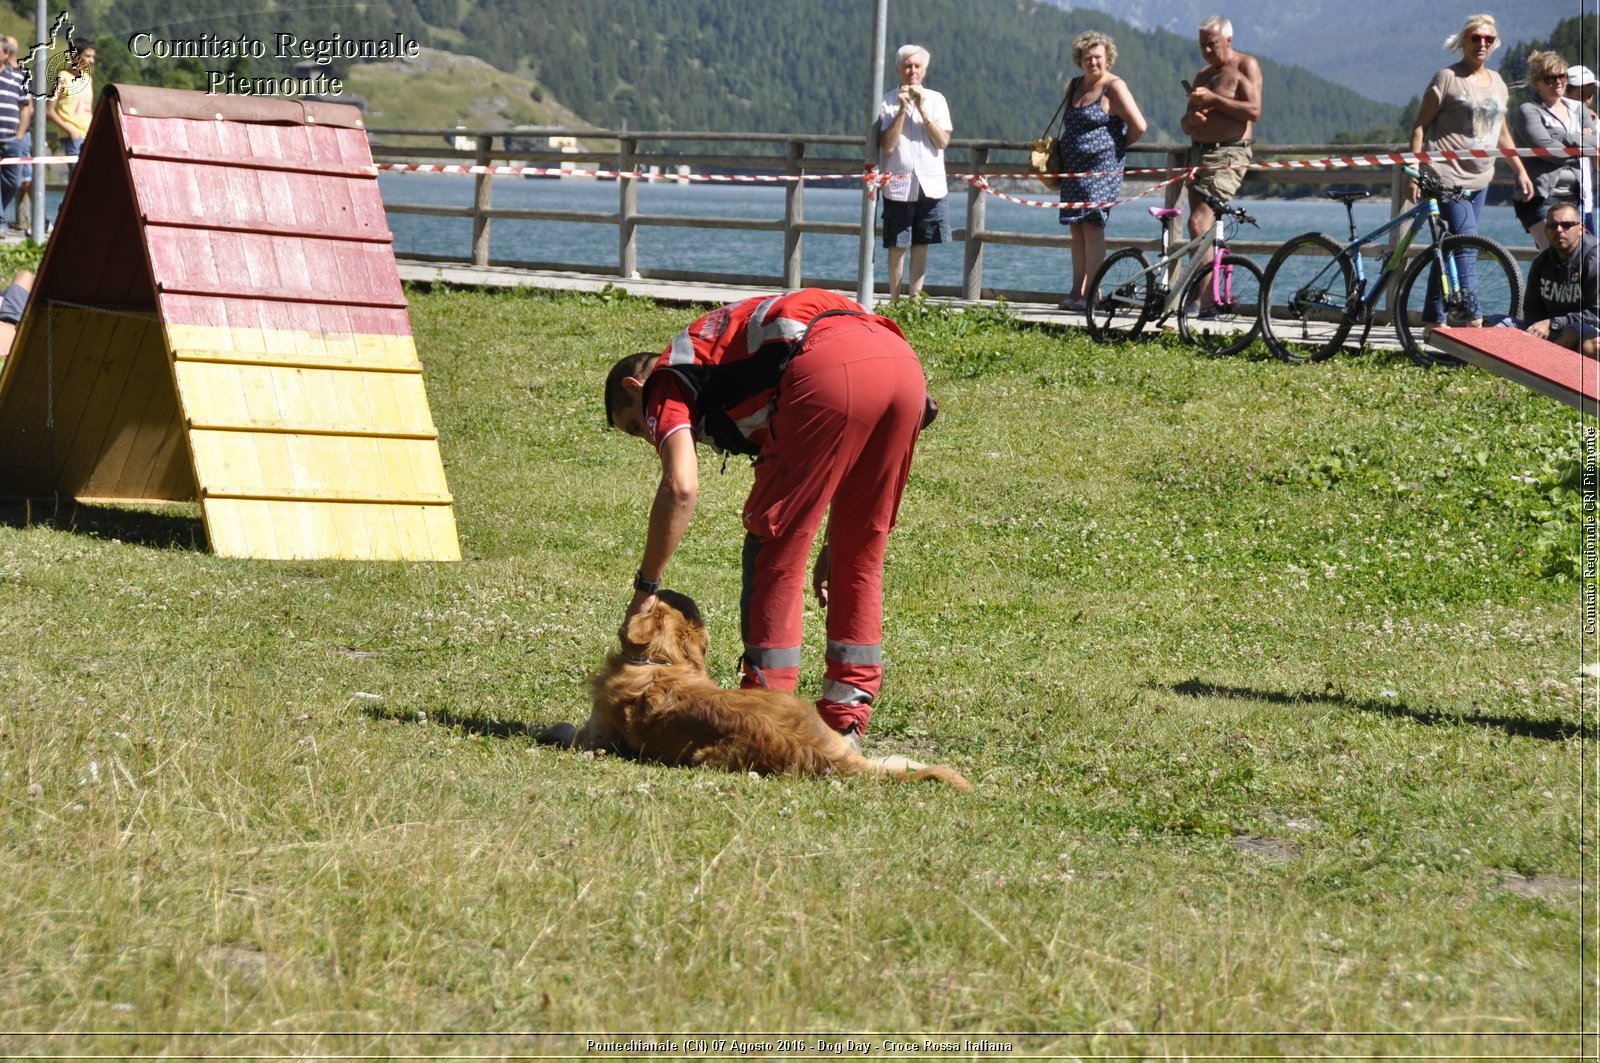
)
(219, 316)
(1547, 368)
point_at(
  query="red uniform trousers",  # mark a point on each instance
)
(848, 412)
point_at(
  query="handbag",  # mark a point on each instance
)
(1044, 161)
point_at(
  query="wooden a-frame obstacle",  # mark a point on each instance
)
(219, 317)
(1548, 368)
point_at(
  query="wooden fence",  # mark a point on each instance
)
(801, 155)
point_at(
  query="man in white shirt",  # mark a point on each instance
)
(914, 128)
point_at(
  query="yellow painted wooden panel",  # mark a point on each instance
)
(130, 441)
(270, 464)
(314, 400)
(89, 409)
(347, 531)
(293, 347)
(45, 375)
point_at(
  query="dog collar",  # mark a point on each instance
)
(631, 659)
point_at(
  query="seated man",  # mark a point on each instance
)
(12, 305)
(1563, 300)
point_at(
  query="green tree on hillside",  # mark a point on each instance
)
(1577, 40)
(802, 65)
(732, 65)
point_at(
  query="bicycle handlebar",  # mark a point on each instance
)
(1220, 207)
(1432, 186)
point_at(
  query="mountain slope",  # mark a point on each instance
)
(1383, 49)
(802, 65)
(725, 65)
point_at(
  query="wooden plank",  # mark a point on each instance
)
(208, 156)
(1548, 368)
(317, 401)
(353, 364)
(278, 465)
(310, 494)
(142, 454)
(85, 365)
(294, 348)
(247, 265)
(341, 530)
(301, 428)
(280, 203)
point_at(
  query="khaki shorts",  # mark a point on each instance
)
(1222, 183)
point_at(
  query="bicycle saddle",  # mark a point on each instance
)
(1164, 212)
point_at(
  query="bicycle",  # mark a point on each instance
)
(1217, 298)
(1316, 290)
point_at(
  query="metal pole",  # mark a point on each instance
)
(880, 41)
(41, 71)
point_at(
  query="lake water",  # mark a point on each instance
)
(834, 257)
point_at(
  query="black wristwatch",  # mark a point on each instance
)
(645, 586)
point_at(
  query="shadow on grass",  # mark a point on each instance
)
(1545, 730)
(141, 527)
(548, 735)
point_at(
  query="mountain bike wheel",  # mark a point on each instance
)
(1119, 297)
(1496, 294)
(1234, 322)
(1307, 299)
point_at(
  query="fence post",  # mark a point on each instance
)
(977, 207)
(1399, 190)
(480, 205)
(794, 212)
(627, 210)
(1174, 225)
(866, 271)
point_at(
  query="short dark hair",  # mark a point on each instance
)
(634, 365)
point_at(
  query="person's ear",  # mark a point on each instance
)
(632, 384)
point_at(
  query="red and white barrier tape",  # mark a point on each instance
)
(1054, 204)
(40, 158)
(635, 175)
(874, 177)
(1340, 162)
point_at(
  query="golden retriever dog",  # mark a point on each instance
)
(655, 700)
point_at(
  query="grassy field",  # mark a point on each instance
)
(1269, 679)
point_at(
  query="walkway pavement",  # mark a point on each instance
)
(685, 292)
(672, 292)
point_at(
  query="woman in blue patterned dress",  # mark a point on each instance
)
(1101, 120)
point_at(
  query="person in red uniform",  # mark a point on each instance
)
(831, 400)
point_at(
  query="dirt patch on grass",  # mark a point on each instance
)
(1270, 848)
(1541, 887)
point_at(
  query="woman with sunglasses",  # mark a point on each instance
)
(1464, 109)
(1553, 122)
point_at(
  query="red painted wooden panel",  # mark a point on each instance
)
(259, 265)
(332, 319)
(1544, 366)
(305, 146)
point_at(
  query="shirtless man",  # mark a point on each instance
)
(1224, 105)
